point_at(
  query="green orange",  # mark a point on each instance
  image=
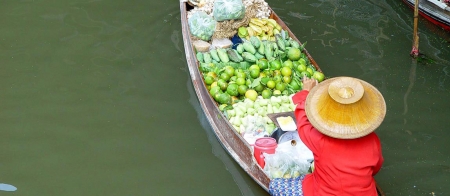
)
(271, 84)
(286, 71)
(275, 64)
(263, 64)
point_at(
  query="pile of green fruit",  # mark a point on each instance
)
(256, 68)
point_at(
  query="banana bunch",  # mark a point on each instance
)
(264, 29)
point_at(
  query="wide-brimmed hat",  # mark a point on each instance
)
(345, 107)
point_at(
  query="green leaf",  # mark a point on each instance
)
(255, 83)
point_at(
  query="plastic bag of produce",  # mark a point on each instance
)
(202, 25)
(277, 165)
(286, 162)
(254, 129)
(228, 10)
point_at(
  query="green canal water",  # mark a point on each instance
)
(96, 98)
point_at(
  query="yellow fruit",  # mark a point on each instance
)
(265, 28)
(311, 72)
(256, 29)
(250, 32)
(257, 21)
(214, 84)
(251, 94)
(269, 30)
(319, 76)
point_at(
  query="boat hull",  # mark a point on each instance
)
(432, 13)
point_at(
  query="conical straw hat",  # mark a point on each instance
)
(345, 107)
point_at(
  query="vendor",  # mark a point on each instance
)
(336, 120)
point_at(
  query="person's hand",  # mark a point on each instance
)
(309, 83)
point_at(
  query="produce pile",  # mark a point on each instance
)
(254, 72)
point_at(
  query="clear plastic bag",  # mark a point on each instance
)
(255, 128)
(276, 165)
(202, 25)
(285, 162)
(228, 10)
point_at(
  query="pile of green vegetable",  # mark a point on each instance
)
(256, 67)
(247, 115)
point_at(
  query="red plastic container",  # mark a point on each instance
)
(264, 145)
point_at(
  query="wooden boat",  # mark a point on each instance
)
(231, 141)
(435, 11)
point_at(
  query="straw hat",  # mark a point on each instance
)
(345, 107)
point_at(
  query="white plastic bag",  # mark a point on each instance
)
(228, 10)
(288, 161)
(299, 150)
(202, 25)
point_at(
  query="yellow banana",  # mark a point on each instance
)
(270, 25)
(250, 31)
(278, 27)
(255, 28)
(257, 22)
(272, 21)
(269, 30)
(266, 20)
(263, 36)
(265, 28)
(262, 21)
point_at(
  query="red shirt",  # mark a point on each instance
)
(341, 166)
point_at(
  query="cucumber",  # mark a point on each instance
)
(280, 42)
(234, 55)
(268, 51)
(249, 47)
(259, 56)
(240, 48)
(223, 55)
(249, 57)
(274, 45)
(199, 56)
(255, 41)
(261, 48)
(207, 57)
(214, 55)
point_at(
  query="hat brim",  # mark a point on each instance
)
(345, 121)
